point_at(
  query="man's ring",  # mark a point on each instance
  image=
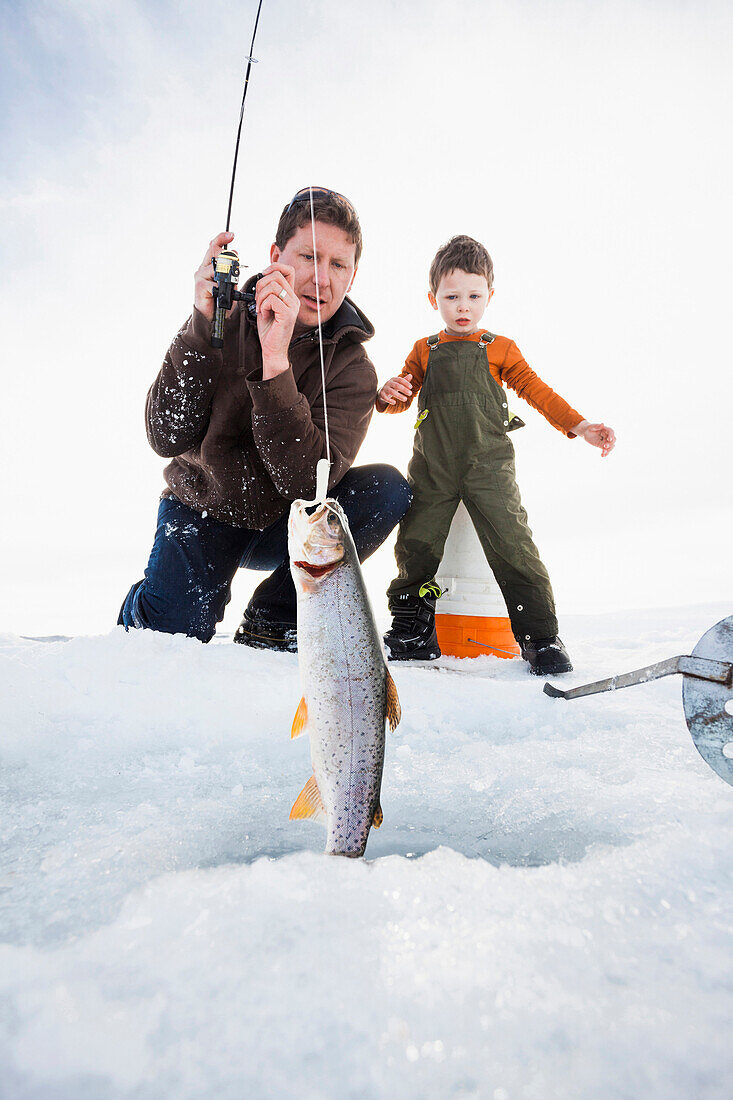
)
(283, 293)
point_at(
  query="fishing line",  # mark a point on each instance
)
(320, 334)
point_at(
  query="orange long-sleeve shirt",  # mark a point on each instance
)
(508, 367)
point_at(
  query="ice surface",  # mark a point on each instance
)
(546, 912)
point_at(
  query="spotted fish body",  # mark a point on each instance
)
(348, 693)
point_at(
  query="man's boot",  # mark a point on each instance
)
(412, 636)
(261, 632)
(546, 656)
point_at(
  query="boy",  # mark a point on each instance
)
(462, 452)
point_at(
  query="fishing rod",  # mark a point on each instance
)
(226, 264)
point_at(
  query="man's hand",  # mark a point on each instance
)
(277, 312)
(397, 389)
(598, 435)
(203, 280)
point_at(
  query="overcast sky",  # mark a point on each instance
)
(586, 144)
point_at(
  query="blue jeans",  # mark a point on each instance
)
(187, 583)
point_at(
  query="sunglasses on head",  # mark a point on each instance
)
(318, 192)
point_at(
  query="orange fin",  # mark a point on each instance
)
(394, 710)
(309, 802)
(301, 717)
(378, 816)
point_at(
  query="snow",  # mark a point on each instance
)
(546, 912)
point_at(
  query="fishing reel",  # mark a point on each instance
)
(226, 270)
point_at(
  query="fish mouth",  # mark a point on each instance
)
(317, 570)
(316, 542)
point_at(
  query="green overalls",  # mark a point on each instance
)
(462, 452)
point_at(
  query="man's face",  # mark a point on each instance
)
(462, 299)
(336, 269)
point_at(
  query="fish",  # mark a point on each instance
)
(349, 695)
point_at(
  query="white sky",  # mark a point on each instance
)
(587, 145)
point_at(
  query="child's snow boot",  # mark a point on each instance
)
(546, 656)
(412, 636)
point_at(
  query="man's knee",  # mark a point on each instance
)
(388, 491)
(145, 609)
(396, 491)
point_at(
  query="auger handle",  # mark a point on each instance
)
(719, 672)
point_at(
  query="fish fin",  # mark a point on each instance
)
(394, 710)
(309, 802)
(301, 717)
(378, 816)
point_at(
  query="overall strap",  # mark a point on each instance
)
(432, 342)
(513, 422)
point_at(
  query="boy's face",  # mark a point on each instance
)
(462, 299)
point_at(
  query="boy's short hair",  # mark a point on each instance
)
(328, 207)
(464, 253)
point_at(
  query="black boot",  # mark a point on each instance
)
(546, 656)
(261, 632)
(412, 636)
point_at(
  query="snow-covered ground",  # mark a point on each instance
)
(546, 912)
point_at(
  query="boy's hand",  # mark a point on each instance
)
(598, 435)
(397, 389)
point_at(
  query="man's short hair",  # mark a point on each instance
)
(330, 208)
(464, 253)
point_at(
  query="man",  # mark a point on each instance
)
(244, 427)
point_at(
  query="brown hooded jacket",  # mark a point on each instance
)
(242, 447)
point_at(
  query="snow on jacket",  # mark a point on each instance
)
(508, 367)
(243, 447)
